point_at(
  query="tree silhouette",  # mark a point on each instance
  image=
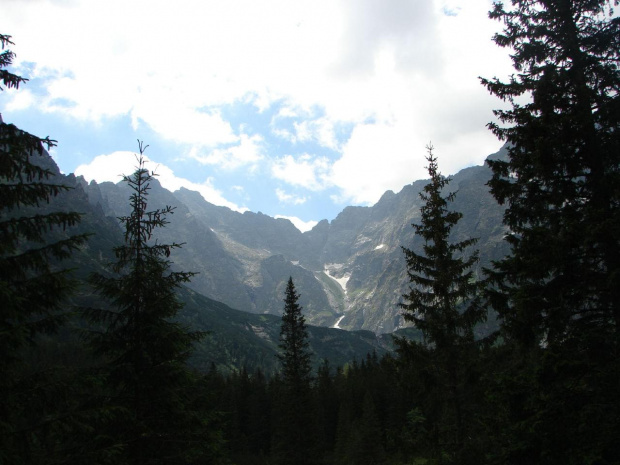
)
(293, 441)
(294, 356)
(34, 239)
(558, 293)
(144, 348)
(443, 302)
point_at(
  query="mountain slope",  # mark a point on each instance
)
(239, 339)
(349, 272)
(235, 339)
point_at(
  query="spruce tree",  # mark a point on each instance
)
(34, 287)
(293, 441)
(145, 349)
(31, 287)
(443, 302)
(561, 180)
(294, 356)
(558, 293)
(442, 280)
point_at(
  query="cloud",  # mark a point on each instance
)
(303, 226)
(305, 171)
(376, 158)
(291, 199)
(407, 28)
(305, 126)
(399, 73)
(19, 100)
(248, 151)
(320, 130)
(182, 123)
(112, 166)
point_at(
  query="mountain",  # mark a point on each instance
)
(235, 339)
(238, 339)
(350, 272)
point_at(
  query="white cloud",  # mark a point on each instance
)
(247, 152)
(376, 158)
(304, 171)
(320, 130)
(306, 127)
(303, 226)
(405, 27)
(292, 199)
(400, 72)
(112, 166)
(19, 100)
(182, 123)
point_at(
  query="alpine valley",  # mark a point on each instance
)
(350, 272)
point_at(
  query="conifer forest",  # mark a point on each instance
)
(98, 366)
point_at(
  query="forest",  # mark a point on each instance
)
(108, 381)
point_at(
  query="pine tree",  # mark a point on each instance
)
(294, 356)
(34, 239)
(443, 301)
(561, 181)
(442, 280)
(558, 293)
(293, 442)
(31, 287)
(145, 349)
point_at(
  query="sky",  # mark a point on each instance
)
(293, 108)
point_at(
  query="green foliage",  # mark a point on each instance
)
(292, 441)
(443, 302)
(295, 356)
(558, 293)
(36, 420)
(144, 349)
(441, 281)
(561, 180)
(31, 287)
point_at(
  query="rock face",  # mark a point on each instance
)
(350, 272)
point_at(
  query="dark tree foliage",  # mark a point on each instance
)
(34, 239)
(443, 302)
(295, 355)
(442, 280)
(561, 181)
(144, 348)
(292, 441)
(31, 288)
(558, 293)
(357, 415)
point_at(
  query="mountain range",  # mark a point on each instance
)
(350, 272)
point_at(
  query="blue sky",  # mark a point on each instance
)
(291, 108)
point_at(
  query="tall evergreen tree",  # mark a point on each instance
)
(33, 286)
(294, 356)
(558, 293)
(442, 280)
(144, 347)
(561, 181)
(293, 442)
(443, 301)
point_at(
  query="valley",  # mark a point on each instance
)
(350, 272)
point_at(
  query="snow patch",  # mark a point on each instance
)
(260, 332)
(341, 281)
(337, 324)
